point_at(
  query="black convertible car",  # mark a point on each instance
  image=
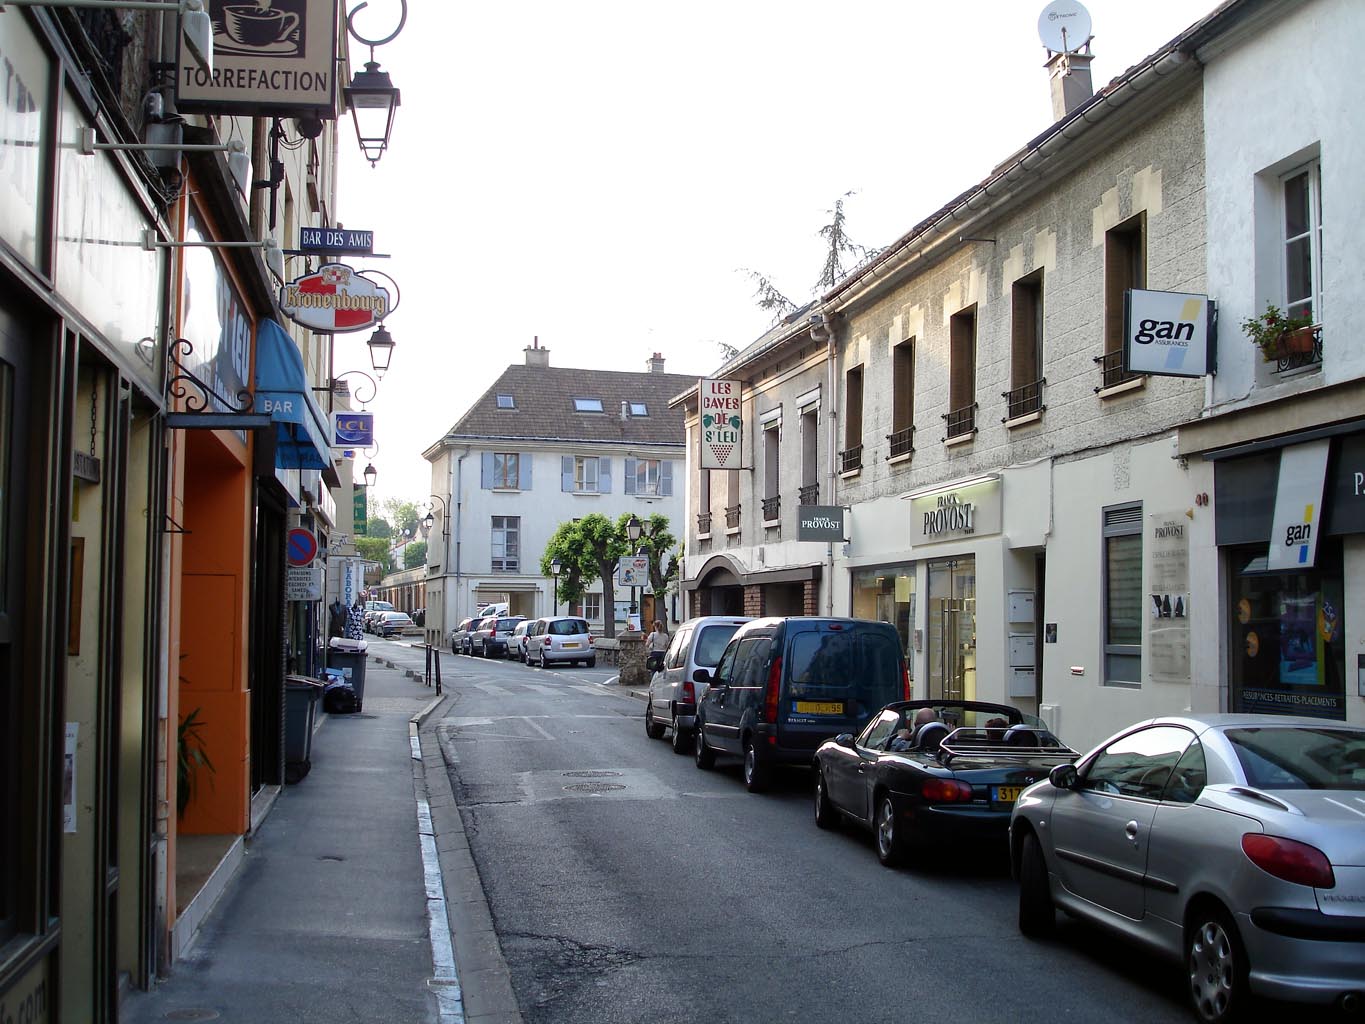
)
(928, 773)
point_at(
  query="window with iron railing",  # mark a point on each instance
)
(851, 459)
(810, 494)
(902, 442)
(1023, 400)
(772, 509)
(960, 422)
(1112, 373)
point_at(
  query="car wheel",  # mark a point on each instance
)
(653, 729)
(592, 663)
(680, 739)
(1037, 915)
(825, 814)
(757, 773)
(1218, 966)
(701, 753)
(890, 844)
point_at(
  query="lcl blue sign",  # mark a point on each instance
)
(353, 429)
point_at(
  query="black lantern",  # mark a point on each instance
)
(381, 350)
(373, 99)
(371, 475)
(633, 529)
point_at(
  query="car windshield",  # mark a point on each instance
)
(507, 623)
(711, 643)
(567, 627)
(1301, 757)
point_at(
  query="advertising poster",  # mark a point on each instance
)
(1168, 599)
(722, 425)
(69, 778)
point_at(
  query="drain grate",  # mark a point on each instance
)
(592, 774)
(594, 787)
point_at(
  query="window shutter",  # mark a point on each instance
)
(630, 476)
(566, 473)
(604, 476)
(666, 478)
(486, 470)
(524, 471)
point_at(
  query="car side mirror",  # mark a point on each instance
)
(1064, 776)
(701, 675)
(844, 739)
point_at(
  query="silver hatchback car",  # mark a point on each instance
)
(1233, 843)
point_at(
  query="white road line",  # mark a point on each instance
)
(537, 728)
(445, 979)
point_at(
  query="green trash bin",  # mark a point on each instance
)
(348, 657)
(301, 696)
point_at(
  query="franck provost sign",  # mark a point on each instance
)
(334, 300)
(722, 425)
(956, 512)
(820, 522)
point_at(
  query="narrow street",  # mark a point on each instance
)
(627, 885)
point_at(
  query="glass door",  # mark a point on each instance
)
(952, 629)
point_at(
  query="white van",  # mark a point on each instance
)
(499, 608)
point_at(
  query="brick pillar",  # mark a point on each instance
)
(753, 600)
(810, 598)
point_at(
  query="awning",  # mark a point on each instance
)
(303, 438)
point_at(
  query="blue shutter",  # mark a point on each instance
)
(630, 476)
(486, 471)
(524, 471)
(604, 476)
(666, 478)
(566, 473)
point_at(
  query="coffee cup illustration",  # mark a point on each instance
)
(251, 25)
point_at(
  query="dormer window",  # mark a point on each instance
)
(639, 409)
(506, 402)
(587, 405)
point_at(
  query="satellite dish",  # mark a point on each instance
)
(1064, 26)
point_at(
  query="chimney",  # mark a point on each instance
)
(535, 355)
(1070, 78)
(655, 363)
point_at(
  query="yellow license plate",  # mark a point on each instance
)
(571, 645)
(819, 707)
(1007, 794)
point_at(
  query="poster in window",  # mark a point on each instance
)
(1168, 596)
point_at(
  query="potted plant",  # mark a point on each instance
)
(190, 758)
(1277, 335)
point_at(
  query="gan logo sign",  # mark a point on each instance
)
(1167, 333)
(1298, 506)
(722, 425)
(335, 299)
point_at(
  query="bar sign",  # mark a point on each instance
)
(336, 240)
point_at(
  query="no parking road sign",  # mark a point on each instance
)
(301, 547)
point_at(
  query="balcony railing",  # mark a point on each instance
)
(732, 517)
(1024, 400)
(772, 509)
(1289, 361)
(1112, 373)
(810, 494)
(902, 442)
(703, 522)
(961, 422)
(851, 459)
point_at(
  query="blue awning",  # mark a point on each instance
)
(303, 439)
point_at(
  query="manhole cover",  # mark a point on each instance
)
(594, 787)
(193, 1014)
(592, 775)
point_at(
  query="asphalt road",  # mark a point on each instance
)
(627, 885)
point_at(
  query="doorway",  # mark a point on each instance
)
(952, 629)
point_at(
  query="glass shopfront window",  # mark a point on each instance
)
(887, 594)
(1287, 650)
(952, 629)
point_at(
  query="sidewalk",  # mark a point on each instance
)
(356, 878)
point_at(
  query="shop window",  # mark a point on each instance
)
(887, 594)
(1123, 595)
(506, 544)
(1286, 651)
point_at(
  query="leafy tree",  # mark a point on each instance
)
(404, 515)
(566, 545)
(415, 554)
(727, 351)
(592, 547)
(375, 549)
(379, 528)
(768, 297)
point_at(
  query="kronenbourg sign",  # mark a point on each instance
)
(1167, 333)
(335, 300)
(722, 425)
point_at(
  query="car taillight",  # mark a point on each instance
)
(689, 695)
(771, 691)
(1290, 860)
(905, 682)
(945, 791)
(591, 640)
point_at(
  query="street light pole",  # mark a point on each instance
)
(555, 568)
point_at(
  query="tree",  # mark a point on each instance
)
(768, 297)
(403, 515)
(415, 554)
(379, 528)
(841, 252)
(591, 547)
(567, 546)
(375, 549)
(663, 550)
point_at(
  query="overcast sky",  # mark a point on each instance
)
(598, 173)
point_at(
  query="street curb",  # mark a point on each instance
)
(485, 980)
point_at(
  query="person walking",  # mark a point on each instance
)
(656, 646)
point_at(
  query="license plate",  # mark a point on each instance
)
(571, 645)
(819, 707)
(1007, 794)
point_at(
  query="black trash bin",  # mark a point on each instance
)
(300, 712)
(348, 657)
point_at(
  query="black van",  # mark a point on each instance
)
(785, 685)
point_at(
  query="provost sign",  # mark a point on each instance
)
(334, 300)
(722, 425)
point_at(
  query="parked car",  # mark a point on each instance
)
(673, 693)
(478, 631)
(563, 638)
(785, 685)
(516, 643)
(459, 636)
(371, 609)
(952, 779)
(387, 624)
(1235, 844)
(490, 639)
